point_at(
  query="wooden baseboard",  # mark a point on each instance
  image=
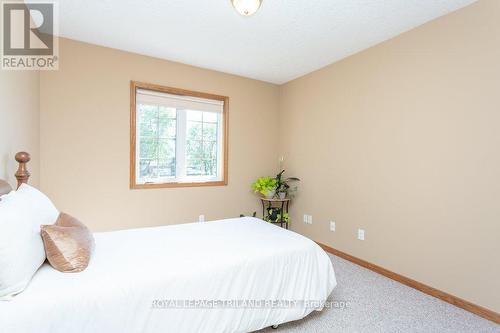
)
(461, 303)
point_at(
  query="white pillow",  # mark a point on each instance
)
(22, 212)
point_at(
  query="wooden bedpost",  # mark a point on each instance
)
(22, 173)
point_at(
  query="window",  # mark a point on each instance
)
(178, 137)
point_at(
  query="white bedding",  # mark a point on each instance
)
(235, 259)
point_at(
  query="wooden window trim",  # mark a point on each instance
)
(134, 85)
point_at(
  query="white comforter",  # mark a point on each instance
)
(140, 280)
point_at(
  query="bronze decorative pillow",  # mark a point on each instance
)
(68, 244)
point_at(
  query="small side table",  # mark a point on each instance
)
(276, 202)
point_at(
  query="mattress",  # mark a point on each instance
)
(235, 275)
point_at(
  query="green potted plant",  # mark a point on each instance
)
(284, 185)
(266, 186)
(274, 215)
(286, 218)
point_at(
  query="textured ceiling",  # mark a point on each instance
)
(284, 40)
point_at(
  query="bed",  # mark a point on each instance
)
(234, 275)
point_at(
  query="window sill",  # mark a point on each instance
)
(134, 186)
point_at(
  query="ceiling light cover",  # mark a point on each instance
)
(246, 7)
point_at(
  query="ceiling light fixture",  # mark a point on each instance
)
(246, 7)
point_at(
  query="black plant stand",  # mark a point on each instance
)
(273, 203)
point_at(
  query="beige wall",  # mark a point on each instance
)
(19, 121)
(85, 139)
(403, 141)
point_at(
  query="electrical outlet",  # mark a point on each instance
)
(201, 218)
(310, 219)
(361, 234)
(332, 225)
(305, 219)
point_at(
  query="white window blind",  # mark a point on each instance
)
(178, 101)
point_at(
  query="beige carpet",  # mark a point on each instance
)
(379, 304)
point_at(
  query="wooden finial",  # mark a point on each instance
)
(22, 173)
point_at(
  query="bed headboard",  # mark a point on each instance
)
(22, 173)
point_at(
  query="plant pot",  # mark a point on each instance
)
(282, 195)
(270, 194)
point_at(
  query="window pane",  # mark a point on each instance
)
(147, 148)
(210, 167)
(194, 167)
(210, 117)
(194, 115)
(194, 150)
(167, 128)
(166, 149)
(167, 168)
(167, 112)
(199, 167)
(209, 132)
(148, 120)
(209, 150)
(147, 169)
(215, 168)
(193, 130)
